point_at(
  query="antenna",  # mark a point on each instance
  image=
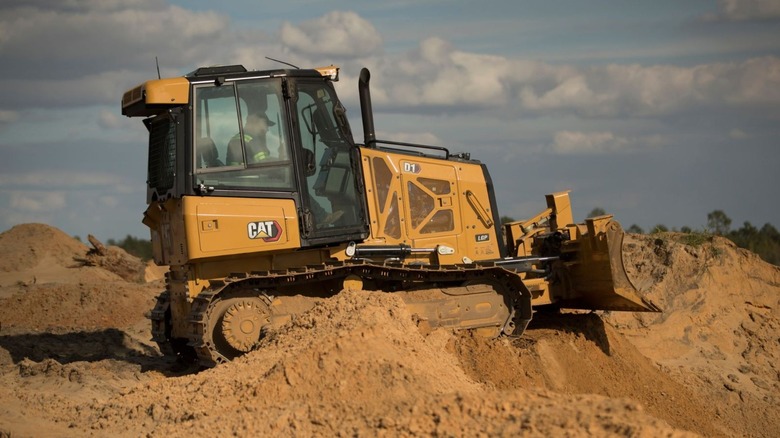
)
(158, 67)
(282, 62)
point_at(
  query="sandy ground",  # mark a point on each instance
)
(76, 360)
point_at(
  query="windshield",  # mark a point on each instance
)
(240, 140)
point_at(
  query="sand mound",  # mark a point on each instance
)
(720, 329)
(117, 261)
(51, 281)
(579, 354)
(356, 365)
(40, 254)
(26, 246)
(152, 272)
(66, 307)
(75, 360)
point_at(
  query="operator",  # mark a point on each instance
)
(255, 129)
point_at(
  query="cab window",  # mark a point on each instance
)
(239, 139)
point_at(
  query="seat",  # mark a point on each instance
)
(208, 156)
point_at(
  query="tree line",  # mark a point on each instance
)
(140, 248)
(764, 241)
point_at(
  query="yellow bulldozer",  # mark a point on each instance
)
(261, 203)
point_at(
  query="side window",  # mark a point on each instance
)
(240, 136)
(263, 134)
(216, 121)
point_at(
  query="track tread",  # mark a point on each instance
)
(208, 355)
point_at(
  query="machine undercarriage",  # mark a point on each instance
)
(227, 319)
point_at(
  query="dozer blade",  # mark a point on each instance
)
(597, 276)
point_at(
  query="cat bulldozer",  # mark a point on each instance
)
(262, 204)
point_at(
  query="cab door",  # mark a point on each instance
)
(333, 206)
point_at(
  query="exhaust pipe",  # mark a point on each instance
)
(366, 112)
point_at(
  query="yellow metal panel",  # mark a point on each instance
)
(234, 226)
(560, 203)
(421, 210)
(377, 182)
(167, 91)
(480, 236)
(470, 234)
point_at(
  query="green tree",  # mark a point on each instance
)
(598, 211)
(718, 222)
(140, 248)
(507, 219)
(660, 228)
(765, 241)
(636, 229)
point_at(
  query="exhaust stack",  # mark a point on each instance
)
(366, 112)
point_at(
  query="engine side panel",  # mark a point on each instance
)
(427, 201)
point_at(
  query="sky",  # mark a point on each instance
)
(657, 112)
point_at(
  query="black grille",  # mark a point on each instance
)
(162, 155)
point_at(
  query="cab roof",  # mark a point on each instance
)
(154, 96)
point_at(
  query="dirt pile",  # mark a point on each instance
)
(26, 246)
(720, 329)
(580, 354)
(38, 253)
(356, 365)
(50, 281)
(75, 359)
(114, 259)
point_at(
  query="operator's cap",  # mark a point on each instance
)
(267, 120)
(262, 115)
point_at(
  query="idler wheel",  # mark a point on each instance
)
(242, 322)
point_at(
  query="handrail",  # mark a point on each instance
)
(416, 145)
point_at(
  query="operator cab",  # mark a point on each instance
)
(273, 135)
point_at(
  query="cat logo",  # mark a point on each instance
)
(269, 231)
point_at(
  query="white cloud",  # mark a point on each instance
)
(109, 119)
(86, 52)
(738, 134)
(426, 138)
(62, 179)
(577, 142)
(123, 39)
(437, 75)
(84, 5)
(37, 201)
(72, 39)
(335, 34)
(103, 87)
(8, 116)
(746, 10)
(108, 201)
(634, 90)
(587, 142)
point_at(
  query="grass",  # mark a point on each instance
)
(695, 238)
